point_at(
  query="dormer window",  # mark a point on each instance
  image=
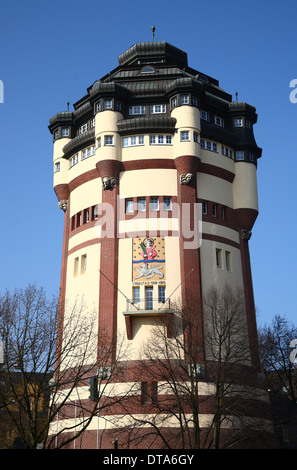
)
(147, 69)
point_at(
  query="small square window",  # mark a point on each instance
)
(108, 140)
(238, 122)
(239, 155)
(184, 136)
(107, 104)
(184, 99)
(65, 132)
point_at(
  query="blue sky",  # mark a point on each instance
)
(52, 51)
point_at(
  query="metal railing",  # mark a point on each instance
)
(147, 304)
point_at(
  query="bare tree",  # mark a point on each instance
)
(276, 355)
(190, 376)
(52, 370)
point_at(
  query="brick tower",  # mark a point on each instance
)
(154, 148)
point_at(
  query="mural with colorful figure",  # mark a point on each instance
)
(148, 259)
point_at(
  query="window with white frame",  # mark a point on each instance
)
(238, 122)
(204, 115)
(132, 141)
(184, 99)
(108, 140)
(99, 142)
(226, 151)
(136, 110)
(174, 102)
(97, 106)
(195, 136)
(95, 212)
(57, 167)
(208, 145)
(158, 108)
(65, 132)
(107, 104)
(219, 121)
(141, 204)
(154, 203)
(184, 136)
(239, 155)
(86, 153)
(73, 160)
(83, 129)
(92, 123)
(160, 139)
(129, 206)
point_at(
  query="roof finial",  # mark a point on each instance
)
(68, 105)
(236, 94)
(153, 31)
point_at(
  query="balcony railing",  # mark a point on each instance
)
(147, 305)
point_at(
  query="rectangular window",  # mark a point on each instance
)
(132, 141)
(196, 137)
(161, 294)
(160, 139)
(167, 203)
(174, 102)
(154, 392)
(204, 208)
(129, 206)
(136, 295)
(92, 123)
(144, 394)
(83, 128)
(141, 205)
(207, 145)
(57, 167)
(136, 110)
(95, 212)
(205, 115)
(76, 263)
(148, 298)
(158, 108)
(219, 258)
(214, 210)
(83, 266)
(73, 161)
(223, 213)
(226, 151)
(86, 216)
(184, 99)
(108, 140)
(238, 122)
(117, 106)
(248, 124)
(194, 101)
(99, 142)
(251, 157)
(228, 260)
(65, 132)
(107, 104)
(239, 155)
(86, 153)
(219, 121)
(78, 219)
(184, 136)
(154, 204)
